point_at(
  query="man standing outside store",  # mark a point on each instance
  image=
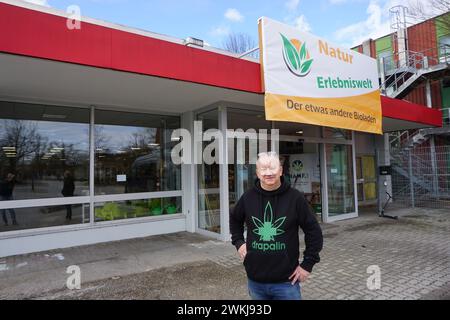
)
(68, 191)
(273, 212)
(6, 194)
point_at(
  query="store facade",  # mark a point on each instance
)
(94, 110)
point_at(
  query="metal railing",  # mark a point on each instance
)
(396, 138)
(439, 56)
(403, 60)
(421, 177)
(402, 66)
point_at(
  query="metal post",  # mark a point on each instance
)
(425, 63)
(223, 169)
(434, 166)
(411, 181)
(428, 93)
(382, 75)
(432, 143)
(355, 185)
(387, 161)
(91, 166)
(324, 182)
(248, 52)
(188, 180)
(377, 162)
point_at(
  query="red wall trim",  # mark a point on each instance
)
(403, 110)
(41, 35)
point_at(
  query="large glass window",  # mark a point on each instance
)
(444, 49)
(45, 153)
(43, 217)
(132, 153)
(242, 168)
(44, 150)
(389, 62)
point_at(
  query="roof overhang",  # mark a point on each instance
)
(105, 65)
(402, 115)
(26, 79)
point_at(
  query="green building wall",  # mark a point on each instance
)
(383, 44)
(443, 31)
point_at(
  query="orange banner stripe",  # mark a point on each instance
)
(359, 113)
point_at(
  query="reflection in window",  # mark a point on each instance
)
(444, 49)
(132, 153)
(39, 144)
(242, 171)
(297, 129)
(389, 61)
(337, 133)
(43, 217)
(301, 169)
(130, 209)
(247, 119)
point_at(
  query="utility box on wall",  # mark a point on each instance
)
(385, 170)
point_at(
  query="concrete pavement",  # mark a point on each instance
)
(412, 255)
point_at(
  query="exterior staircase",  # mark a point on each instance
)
(411, 162)
(402, 158)
(403, 71)
(416, 180)
(420, 171)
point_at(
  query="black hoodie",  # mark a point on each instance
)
(273, 219)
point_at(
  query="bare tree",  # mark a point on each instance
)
(101, 140)
(24, 137)
(142, 138)
(28, 145)
(424, 10)
(240, 43)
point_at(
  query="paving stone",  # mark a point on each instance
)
(412, 253)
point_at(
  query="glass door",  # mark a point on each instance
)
(340, 180)
(208, 177)
(301, 168)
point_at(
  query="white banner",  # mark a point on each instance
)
(311, 80)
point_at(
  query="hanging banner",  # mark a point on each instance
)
(310, 80)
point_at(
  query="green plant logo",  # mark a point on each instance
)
(296, 56)
(268, 229)
(297, 166)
